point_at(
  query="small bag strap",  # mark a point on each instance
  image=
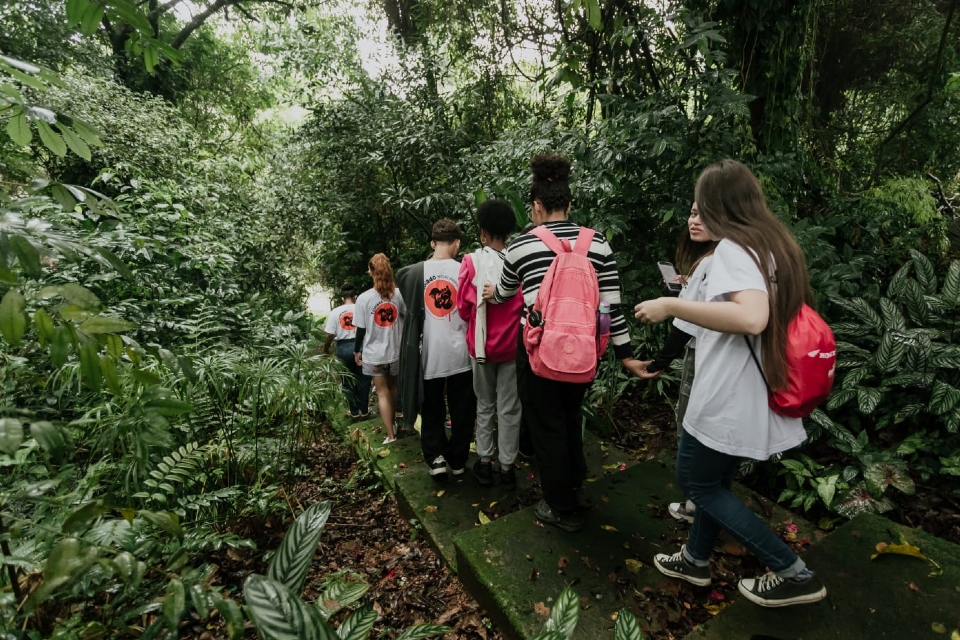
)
(759, 368)
(549, 239)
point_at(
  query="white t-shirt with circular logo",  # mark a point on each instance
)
(340, 323)
(444, 351)
(383, 321)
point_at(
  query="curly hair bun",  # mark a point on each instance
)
(550, 167)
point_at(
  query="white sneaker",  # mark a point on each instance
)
(682, 511)
(389, 440)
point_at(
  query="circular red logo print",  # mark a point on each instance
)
(346, 321)
(440, 298)
(386, 314)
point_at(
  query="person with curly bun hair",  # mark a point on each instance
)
(379, 320)
(340, 328)
(552, 408)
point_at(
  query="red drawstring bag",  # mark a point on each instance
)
(811, 362)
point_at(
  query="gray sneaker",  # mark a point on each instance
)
(773, 591)
(676, 566)
(680, 511)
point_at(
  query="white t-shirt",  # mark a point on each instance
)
(383, 320)
(695, 288)
(728, 409)
(444, 331)
(340, 323)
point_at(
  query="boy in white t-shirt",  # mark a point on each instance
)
(445, 371)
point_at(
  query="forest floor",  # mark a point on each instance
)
(368, 537)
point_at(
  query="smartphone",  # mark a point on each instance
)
(670, 279)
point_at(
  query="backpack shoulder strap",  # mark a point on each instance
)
(584, 240)
(549, 239)
(757, 362)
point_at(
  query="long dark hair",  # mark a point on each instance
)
(551, 181)
(690, 253)
(732, 206)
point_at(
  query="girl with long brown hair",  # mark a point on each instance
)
(378, 318)
(756, 282)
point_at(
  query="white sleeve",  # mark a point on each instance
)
(360, 313)
(332, 321)
(732, 270)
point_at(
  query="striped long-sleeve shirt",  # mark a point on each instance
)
(528, 259)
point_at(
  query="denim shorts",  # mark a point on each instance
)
(390, 368)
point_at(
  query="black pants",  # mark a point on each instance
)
(552, 411)
(463, 416)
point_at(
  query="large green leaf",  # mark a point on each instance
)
(358, 624)
(51, 139)
(18, 128)
(90, 364)
(627, 627)
(881, 475)
(867, 399)
(290, 564)
(232, 615)
(45, 326)
(924, 271)
(49, 438)
(890, 352)
(68, 560)
(75, 142)
(422, 631)
(339, 593)
(27, 254)
(565, 614)
(914, 302)
(943, 399)
(174, 603)
(899, 280)
(951, 284)
(11, 435)
(77, 294)
(13, 320)
(892, 317)
(280, 615)
(594, 16)
(105, 324)
(92, 16)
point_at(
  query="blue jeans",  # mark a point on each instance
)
(705, 476)
(357, 384)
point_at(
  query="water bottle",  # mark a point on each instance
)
(603, 319)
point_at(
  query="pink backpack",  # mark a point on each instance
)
(561, 333)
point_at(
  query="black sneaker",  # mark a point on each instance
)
(567, 521)
(773, 591)
(457, 471)
(676, 566)
(583, 502)
(508, 479)
(483, 472)
(438, 468)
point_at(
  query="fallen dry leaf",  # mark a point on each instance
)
(563, 562)
(716, 596)
(614, 616)
(541, 609)
(608, 527)
(430, 508)
(913, 586)
(440, 493)
(633, 566)
(938, 627)
(482, 517)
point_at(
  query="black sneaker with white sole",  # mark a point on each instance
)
(681, 511)
(438, 468)
(676, 566)
(771, 590)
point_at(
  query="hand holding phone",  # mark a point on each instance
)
(670, 277)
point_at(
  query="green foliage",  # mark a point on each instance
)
(279, 613)
(562, 623)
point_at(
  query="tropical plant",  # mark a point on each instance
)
(279, 613)
(562, 623)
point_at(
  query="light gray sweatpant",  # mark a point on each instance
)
(495, 384)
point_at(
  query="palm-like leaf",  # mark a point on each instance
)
(292, 561)
(280, 615)
(420, 631)
(627, 627)
(565, 614)
(358, 624)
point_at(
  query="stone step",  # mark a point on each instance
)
(894, 596)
